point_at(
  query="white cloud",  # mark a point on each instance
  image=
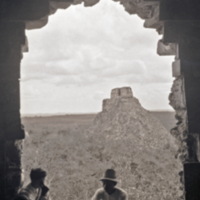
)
(82, 51)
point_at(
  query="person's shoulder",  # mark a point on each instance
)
(121, 191)
(27, 190)
(23, 193)
(100, 190)
(26, 187)
(98, 194)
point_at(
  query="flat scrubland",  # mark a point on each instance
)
(167, 119)
(76, 159)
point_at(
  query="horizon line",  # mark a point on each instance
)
(81, 113)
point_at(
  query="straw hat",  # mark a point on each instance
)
(110, 175)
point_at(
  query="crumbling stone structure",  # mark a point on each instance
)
(176, 20)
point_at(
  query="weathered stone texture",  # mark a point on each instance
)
(127, 121)
(14, 177)
(121, 92)
(12, 37)
(152, 21)
(166, 48)
(188, 142)
(10, 58)
(179, 38)
(179, 10)
(148, 10)
(177, 101)
(13, 182)
(181, 31)
(180, 132)
(106, 104)
(124, 92)
(23, 10)
(13, 150)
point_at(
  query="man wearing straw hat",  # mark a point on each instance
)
(109, 190)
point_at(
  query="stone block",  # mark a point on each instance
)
(153, 23)
(37, 24)
(186, 67)
(13, 129)
(10, 125)
(177, 98)
(121, 92)
(192, 181)
(10, 54)
(23, 10)
(10, 168)
(12, 105)
(188, 51)
(191, 72)
(179, 10)
(13, 150)
(166, 49)
(10, 49)
(8, 27)
(181, 31)
(115, 93)
(90, 2)
(126, 92)
(14, 180)
(24, 47)
(54, 5)
(191, 67)
(176, 68)
(10, 96)
(9, 74)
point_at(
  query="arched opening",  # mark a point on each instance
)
(101, 47)
(75, 177)
(178, 21)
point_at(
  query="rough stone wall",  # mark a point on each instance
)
(121, 92)
(157, 15)
(106, 104)
(12, 38)
(148, 10)
(14, 177)
(116, 93)
(188, 143)
(180, 132)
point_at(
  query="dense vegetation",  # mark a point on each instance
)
(126, 138)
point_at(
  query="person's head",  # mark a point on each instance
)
(109, 180)
(37, 177)
(109, 185)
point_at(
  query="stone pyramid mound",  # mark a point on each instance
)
(123, 117)
(137, 145)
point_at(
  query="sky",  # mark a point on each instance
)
(83, 53)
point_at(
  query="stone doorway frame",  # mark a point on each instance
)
(176, 20)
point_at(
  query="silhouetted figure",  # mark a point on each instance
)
(35, 190)
(109, 190)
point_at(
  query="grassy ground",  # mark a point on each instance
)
(75, 159)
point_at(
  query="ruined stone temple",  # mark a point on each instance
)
(178, 21)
